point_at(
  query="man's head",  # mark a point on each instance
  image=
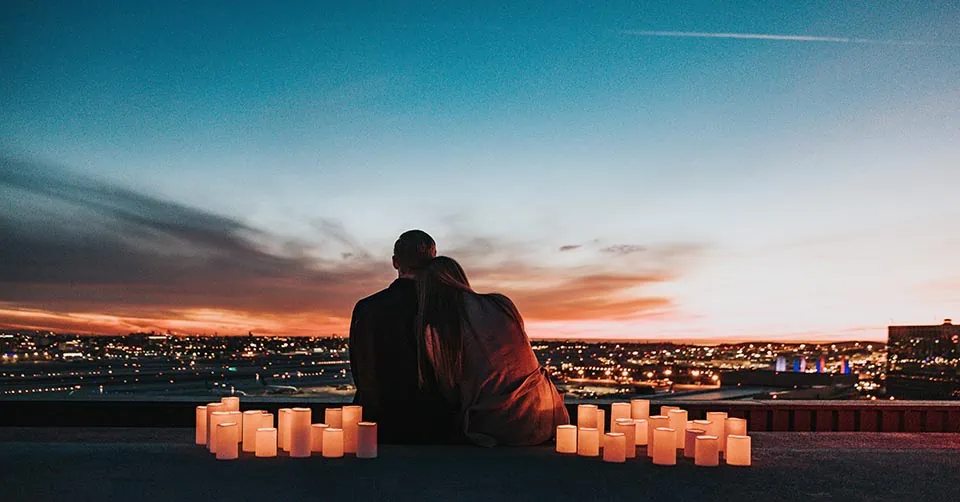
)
(413, 249)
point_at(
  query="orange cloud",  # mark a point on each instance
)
(89, 257)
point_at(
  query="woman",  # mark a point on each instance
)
(481, 360)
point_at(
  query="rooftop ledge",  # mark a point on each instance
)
(163, 464)
(762, 416)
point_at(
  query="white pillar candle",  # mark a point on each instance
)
(588, 442)
(717, 419)
(237, 417)
(706, 453)
(618, 411)
(300, 432)
(316, 437)
(613, 447)
(266, 421)
(678, 422)
(566, 439)
(653, 423)
(664, 446)
(738, 450)
(665, 410)
(227, 434)
(641, 424)
(283, 428)
(201, 430)
(626, 427)
(690, 441)
(333, 417)
(251, 422)
(332, 442)
(732, 425)
(587, 416)
(367, 440)
(231, 403)
(216, 418)
(702, 424)
(266, 442)
(211, 408)
(602, 422)
(352, 415)
(639, 408)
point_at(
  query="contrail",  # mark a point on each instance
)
(791, 38)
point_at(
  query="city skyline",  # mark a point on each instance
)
(677, 171)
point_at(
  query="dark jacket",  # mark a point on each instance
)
(383, 358)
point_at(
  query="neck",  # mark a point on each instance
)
(406, 275)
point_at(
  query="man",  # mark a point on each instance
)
(384, 355)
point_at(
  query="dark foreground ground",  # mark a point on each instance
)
(163, 465)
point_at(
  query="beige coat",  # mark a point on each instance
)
(505, 396)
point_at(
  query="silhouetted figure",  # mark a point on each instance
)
(383, 355)
(481, 360)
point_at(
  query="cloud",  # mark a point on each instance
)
(624, 249)
(570, 247)
(790, 38)
(95, 247)
(603, 290)
(85, 256)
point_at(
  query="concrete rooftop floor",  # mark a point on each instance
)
(140, 464)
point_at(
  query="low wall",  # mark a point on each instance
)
(785, 416)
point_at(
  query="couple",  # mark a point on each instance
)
(435, 362)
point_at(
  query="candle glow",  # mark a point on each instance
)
(738, 450)
(352, 415)
(664, 446)
(252, 420)
(211, 408)
(690, 441)
(201, 425)
(587, 416)
(367, 440)
(566, 439)
(678, 422)
(613, 447)
(316, 437)
(706, 451)
(299, 432)
(266, 442)
(333, 417)
(228, 434)
(628, 428)
(717, 421)
(653, 423)
(641, 438)
(732, 425)
(332, 442)
(618, 411)
(588, 442)
(639, 409)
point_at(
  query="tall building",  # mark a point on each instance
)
(923, 362)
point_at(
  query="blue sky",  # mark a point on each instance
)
(779, 188)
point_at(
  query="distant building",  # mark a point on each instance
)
(923, 362)
(781, 364)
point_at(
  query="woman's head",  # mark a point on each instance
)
(445, 271)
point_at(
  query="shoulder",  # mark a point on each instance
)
(500, 299)
(502, 302)
(399, 290)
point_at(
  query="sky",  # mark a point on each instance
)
(633, 170)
